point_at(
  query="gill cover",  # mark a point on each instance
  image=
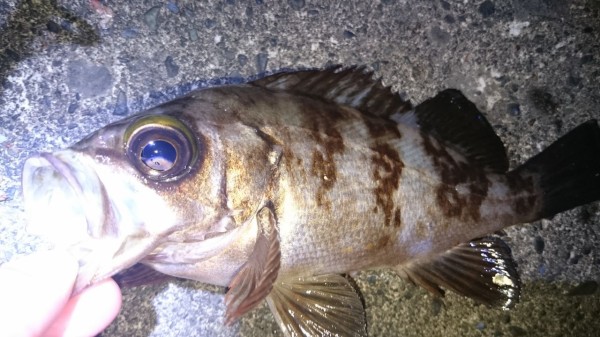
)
(161, 147)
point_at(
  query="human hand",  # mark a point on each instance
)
(35, 298)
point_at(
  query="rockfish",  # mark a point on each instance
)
(279, 188)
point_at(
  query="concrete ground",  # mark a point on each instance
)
(69, 67)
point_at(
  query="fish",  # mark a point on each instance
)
(282, 188)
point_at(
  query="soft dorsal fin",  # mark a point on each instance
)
(455, 121)
(482, 269)
(353, 86)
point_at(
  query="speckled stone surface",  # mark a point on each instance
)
(69, 67)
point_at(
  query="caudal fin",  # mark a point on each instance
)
(568, 170)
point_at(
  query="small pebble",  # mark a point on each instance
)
(242, 59)
(72, 107)
(129, 33)
(172, 67)
(121, 108)
(574, 259)
(487, 8)
(371, 279)
(436, 306)
(312, 12)
(261, 62)
(193, 34)
(296, 4)
(542, 269)
(66, 25)
(538, 244)
(514, 109)
(586, 250)
(151, 17)
(210, 23)
(516, 331)
(171, 6)
(449, 19)
(53, 27)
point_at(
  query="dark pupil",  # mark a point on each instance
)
(159, 155)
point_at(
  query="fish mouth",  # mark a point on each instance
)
(93, 210)
(65, 201)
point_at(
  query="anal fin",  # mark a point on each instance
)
(255, 279)
(326, 305)
(481, 269)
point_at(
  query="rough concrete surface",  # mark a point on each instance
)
(69, 67)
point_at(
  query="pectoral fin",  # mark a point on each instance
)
(255, 279)
(326, 305)
(482, 269)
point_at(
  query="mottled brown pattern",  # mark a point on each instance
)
(380, 129)
(519, 183)
(323, 165)
(453, 173)
(385, 241)
(387, 169)
(524, 186)
(524, 205)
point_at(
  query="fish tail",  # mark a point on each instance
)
(567, 172)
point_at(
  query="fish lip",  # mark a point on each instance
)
(51, 185)
(67, 172)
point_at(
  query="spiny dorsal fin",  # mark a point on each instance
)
(482, 269)
(353, 86)
(326, 305)
(454, 120)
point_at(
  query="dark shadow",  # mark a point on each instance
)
(138, 316)
(28, 21)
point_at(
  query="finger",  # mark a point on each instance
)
(33, 290)
(89, 312)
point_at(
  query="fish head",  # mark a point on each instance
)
(143, 185)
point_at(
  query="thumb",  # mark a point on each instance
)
(34, 289)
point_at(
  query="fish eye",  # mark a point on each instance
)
(159, 155)
(161, 147)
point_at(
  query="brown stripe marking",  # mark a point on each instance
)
(387, 169)
(382, 129)
(523, 187)
(452, 174)
(323, 162)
